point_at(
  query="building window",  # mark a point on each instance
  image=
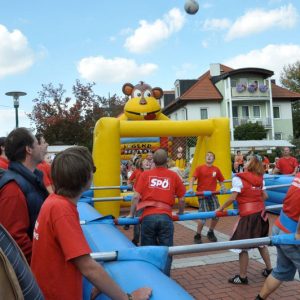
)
(245, 111)
(256, 111)
(176, 116)
(203, 113)
(276, 112)
(233, 83)
(278, 136)
(235, 113)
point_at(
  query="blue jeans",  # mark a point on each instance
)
(288, 259)
(158, 230)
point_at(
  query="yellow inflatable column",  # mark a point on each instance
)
(219, 143)
(106, 155)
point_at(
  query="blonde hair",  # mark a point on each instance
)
(255, 166)
(171, 163)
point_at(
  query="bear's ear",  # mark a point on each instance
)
(127, 89)
(157, 92)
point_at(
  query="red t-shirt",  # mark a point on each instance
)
(287, 165)
(159, 184)
(46, 169)
(291, 203)
(14, 216)
(135, 176)
(3, 163)
(57, 239)
(207, 178)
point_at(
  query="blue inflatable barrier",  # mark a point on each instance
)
(277, 195)
(129, 274)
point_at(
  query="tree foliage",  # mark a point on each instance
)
(290, 78)
(65, 121)
(250, 131)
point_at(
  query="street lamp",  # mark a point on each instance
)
(16, 96)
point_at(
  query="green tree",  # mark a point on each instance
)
(65, 121)
(250, 131)
(290, 78)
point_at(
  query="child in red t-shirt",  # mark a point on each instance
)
(207, 177)
(60, 254)
(138, 164)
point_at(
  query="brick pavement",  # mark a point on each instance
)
(205, 275)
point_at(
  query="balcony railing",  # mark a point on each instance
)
(247, 94)
(266, 122)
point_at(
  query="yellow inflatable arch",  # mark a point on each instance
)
(213, 135)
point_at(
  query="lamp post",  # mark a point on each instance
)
(16, 96)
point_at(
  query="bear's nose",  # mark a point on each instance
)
(143, 101)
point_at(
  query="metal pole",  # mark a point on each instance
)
(183, 217)
(17, 117)
(197, 248)
(120, 198)
(205, 193)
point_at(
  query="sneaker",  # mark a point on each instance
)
(266, 272)
(237, 279)
(197, 238)
(211, 236)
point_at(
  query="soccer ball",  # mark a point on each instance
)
(191, 7)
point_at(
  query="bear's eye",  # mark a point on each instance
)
(137, 93)
(147, 93)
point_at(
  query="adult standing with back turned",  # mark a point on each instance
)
(22, 191)
(155, 194)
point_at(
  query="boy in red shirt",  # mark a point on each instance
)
(155, 193)
(207, 176)
(60, 254)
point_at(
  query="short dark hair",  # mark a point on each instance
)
(160, 157)
(71, 171)
(16, 143)
(2, 143)
(39, 137)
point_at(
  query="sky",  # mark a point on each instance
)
(114, 42)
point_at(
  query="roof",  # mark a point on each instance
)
(264, 72)
(203, 89)
(280, 93)
(261, 144)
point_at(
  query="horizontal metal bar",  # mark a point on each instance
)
(270, 187)
(196, 248)
(104, 199)
(238, 244)
(183, 217)
(105, 256)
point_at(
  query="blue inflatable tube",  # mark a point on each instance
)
(131, 274)
(277, 195)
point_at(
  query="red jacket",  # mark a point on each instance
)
(250, 199)
(291, 205)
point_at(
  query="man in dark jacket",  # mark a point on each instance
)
(22, 191)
